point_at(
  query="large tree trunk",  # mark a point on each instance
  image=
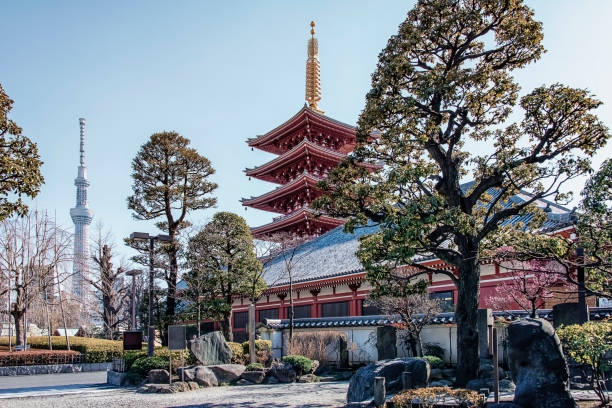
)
(226, 327)
(466, 317)
(171, 281)
(19, 333)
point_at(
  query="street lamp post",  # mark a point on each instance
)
(143, 236)
(133, 273)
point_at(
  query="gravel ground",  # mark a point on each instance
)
(315, 395)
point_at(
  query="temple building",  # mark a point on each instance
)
(81, 217)
(308, 146)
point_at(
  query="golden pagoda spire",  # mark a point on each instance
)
(313, 72)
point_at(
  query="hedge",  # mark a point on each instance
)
(142, 366)
(39, 357)
(260, 345)
(434, 362)
(94, 350)
(237, 352)
(434, 396)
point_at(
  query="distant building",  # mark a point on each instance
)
(81, 216)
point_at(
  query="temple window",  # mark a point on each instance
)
(335, 309)
(446, 300)
(268, 314)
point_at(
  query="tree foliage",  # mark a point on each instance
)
(19, 164)
(437, 113)
(171, 180)
(587, 344)
(221, 260)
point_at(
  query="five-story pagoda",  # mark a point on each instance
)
(308, 146)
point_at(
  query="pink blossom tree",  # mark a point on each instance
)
(530, 285)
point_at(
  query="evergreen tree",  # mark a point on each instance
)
(171, 180)
(436, 115)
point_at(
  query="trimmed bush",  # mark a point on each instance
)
(255, 367)
(434, 362)
(131, 356)
(94, 350)
(39, 357)
(302, 365)
(260, 345)
(432, 396)
(237, 352)
(433, 349)
(142, 366)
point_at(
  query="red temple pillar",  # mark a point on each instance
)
(315, 312)
(282, 313)
(354, 305)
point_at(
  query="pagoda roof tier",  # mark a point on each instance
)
(301, 190)
(306, 156)
(302, 222)
(311, 125)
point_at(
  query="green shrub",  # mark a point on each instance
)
(237, 352)
(586, 344)
(255, 367)
(434, 362)
(131, 356)
(143, 365)
(301, 364)
(433, 349)
(260, 345)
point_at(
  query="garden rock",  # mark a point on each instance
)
(283, 372)
(361, 386)
(188, 373)
(440, 383)
(243, 382)
(479, 383)
(538, 366)
(308, 378)
(211, 348)
(256, 377)
(315, 366)
(205, 377)
(227, 373)
(436, 374)
(158, 377)
(271, 380)
(449, 372)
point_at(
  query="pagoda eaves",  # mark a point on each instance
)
(288, 197)
(303, 222)
(311, 125)
(306, 156)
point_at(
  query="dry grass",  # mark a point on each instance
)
(316, 346)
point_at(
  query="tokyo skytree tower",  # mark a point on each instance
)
(81, 216)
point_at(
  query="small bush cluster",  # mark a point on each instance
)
(302, 365)
(255, 367)
(433, 349)
(142, 366)
(433, 396)
(94, 350)
(237, 353)
(434, 362)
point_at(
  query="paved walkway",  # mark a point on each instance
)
(51, 384)
(315, 395)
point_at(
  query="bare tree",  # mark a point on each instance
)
(290, 251)
(111, 290)
(416, 310)
(31, 248)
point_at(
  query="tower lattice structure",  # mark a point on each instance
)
(308, 146)
(81, 217)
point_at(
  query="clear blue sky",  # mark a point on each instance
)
(219, 73)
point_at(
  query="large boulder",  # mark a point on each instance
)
(158, 377)
(186, 373)
(283, 372)
(205, 377)
(227, 373)
(211, 348)
(538, 366)
(361, 387)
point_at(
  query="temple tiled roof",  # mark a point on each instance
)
(596, 313)
(333, 253)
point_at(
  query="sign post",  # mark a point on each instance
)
(176, 341)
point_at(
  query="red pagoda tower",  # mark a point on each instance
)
(308, 146)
